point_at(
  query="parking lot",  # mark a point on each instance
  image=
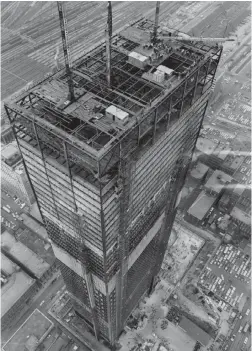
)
(236, 112)
(227, 276)
(243, 173)
(216, 134)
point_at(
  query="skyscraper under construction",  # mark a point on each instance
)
(107, 164)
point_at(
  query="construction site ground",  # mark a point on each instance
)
(173, 337)
(180, 254)
(197, 243)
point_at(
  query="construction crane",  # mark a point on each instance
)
(63, 27)
(154, 38)
(185, 37)
(108, 34)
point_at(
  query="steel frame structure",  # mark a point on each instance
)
(101, 232)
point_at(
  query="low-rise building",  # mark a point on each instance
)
(199, 171)
(13, 175)
(36, 333)
(7, 135)
(243, 219)
(205, 146)
(217, 182)
(241, 212)
(218, 156)
(31, 263)
(35, 226)
(194, 331)
(199, 209)
(17, 288)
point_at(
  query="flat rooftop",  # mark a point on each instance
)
(17, 285)
(222, 151)
(10, 154)
(206, 146)
(24, 255)
(199, 170)
(238, 189)
(194, 331)
(36, 227)
(141, 78)
(36, 325)
(201, 205)
(218, 181)
(37, 245)
(241, 215)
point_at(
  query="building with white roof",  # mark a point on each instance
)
(17, 288)
(13, 176)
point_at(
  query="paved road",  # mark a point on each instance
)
(9, 201)
(238, 342)
(13, 208)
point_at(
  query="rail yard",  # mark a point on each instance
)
(30, 30)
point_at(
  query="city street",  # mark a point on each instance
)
(239, 338)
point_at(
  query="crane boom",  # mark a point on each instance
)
(63, 27)
(216, 40)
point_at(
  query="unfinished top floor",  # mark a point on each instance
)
(148, 83)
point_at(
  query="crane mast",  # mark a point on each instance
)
(63, 28)
(108, 33)
(154, 39)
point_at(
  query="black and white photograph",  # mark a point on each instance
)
(126, 175)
